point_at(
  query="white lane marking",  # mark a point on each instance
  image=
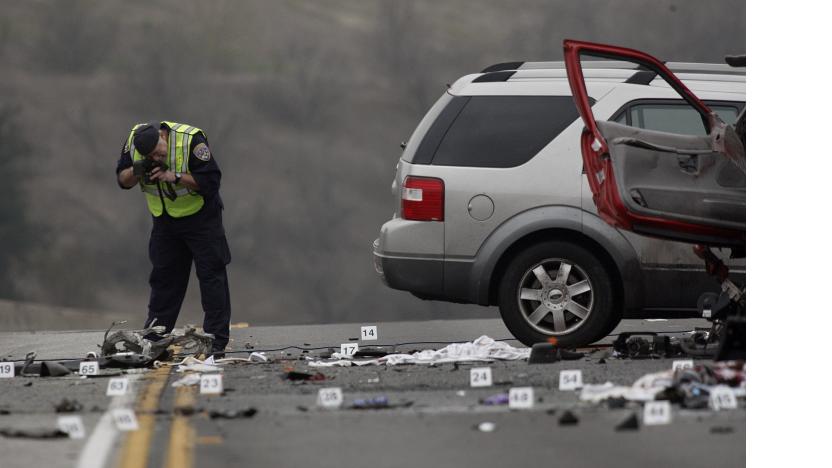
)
(100, 444)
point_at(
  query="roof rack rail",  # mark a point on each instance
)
(676, 67)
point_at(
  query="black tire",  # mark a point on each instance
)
(523, 275)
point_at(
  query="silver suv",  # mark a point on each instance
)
(492, 208)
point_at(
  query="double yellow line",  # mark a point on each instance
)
(136, 449)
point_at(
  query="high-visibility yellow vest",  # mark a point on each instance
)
(179, 144)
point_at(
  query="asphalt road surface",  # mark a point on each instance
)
(435, 424)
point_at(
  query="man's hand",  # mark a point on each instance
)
(139, 167)
(163, 175)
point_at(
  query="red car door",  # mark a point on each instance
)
(678, 187)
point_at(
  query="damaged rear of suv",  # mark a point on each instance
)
(491, 206)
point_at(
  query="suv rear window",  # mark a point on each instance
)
(495, 131)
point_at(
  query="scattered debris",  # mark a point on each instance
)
(258, 357)
(689, 387)
(33, 433)
(68, 406)
(629, 424)
(568, 419)
(495, 400)
(486, 426)
(460, 393)
(249, 345)
(232, 414)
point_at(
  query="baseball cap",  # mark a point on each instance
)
(146, 137)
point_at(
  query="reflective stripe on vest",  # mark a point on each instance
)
(179, 144)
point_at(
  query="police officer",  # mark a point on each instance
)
(174, 167)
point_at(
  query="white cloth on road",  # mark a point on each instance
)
(187, 380)
(483, 349)
(191, 363)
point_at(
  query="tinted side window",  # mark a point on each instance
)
(676, 118)
(503, 131)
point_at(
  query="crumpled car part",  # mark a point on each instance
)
(37, 433)
(134, 347)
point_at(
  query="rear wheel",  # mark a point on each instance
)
(557, 289)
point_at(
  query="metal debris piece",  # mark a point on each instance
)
(370, 352)
(136, 348)
(544, 353)
(645, 345)
(722, 430)
(33, 433)
(629, 424)
(233, 414)
(53, 369)
(68, 406)
(294, 376)
(568, 419)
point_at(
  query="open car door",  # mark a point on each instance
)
(678, 187)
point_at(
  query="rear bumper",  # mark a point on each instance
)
(418, 275)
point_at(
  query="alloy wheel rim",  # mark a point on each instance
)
(555, 296)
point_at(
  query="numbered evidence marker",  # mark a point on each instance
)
(570, 380)
(117, 386)
(88, 368)
(481, 377)
(521, 397)
(72, 425)
(682, 364)
(348, 349)
(330, 397)
(722, 397)
(369, 333)
(210, 384)
(6, 370)
(656, 413)
(125, 419)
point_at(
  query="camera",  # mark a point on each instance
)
(144, 167)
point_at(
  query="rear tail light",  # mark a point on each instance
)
(423, 199)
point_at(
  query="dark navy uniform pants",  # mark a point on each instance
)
(172, 250)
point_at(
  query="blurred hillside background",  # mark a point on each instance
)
(304, 103)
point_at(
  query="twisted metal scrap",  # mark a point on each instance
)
(132, 347)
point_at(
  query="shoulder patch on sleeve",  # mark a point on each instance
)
(202, 152)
